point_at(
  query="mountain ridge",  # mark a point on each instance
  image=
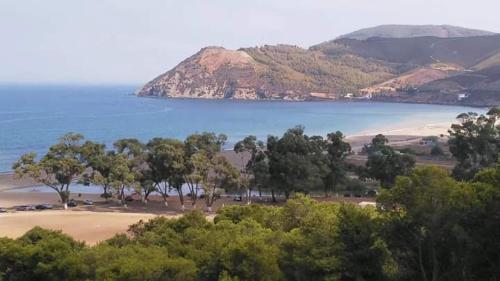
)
(375, 68)
(411, 31)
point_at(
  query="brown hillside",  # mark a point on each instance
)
(466, 52)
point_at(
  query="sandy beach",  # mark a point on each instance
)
(410, 128)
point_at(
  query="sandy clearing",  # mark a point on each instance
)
(91, 227)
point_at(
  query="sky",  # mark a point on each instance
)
(133, 41)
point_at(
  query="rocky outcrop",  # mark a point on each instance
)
(217, 73)
(212, 73)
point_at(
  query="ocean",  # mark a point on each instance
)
(34, 117)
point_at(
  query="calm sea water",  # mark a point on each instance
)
(34, 117)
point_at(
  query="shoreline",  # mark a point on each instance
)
(409, 128)
(336, 100)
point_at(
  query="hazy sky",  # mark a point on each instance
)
(132, 41)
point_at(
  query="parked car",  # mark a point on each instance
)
(72, 203)
(44, 206)
(129, 198)
(3, 210)
(25, 208)
(238, 198)
(88, 202)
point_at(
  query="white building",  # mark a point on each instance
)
(462, 96)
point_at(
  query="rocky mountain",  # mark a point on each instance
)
(270, 72)
(411, 31)
(431, 69)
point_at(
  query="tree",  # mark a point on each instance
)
(138, 262)
(423, 228)
(100, 162)
(475, 143)
(363, 254)
(482, 225)
(330, 242)
(252, 149)
(337, 151)
(261, 175)
(437, 150)
(197, 149)
(136, 153)
(121, 176)
(378, 142)
(217, 175)
(42, 255)
(385, 164)
(167, 166)
(58, 169)
(293, 165)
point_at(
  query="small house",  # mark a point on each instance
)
(463, 96)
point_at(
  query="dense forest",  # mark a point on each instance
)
(429, 223)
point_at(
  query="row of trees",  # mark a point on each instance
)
(292, 163)
(161, 165)
(428, 227)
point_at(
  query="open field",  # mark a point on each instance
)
(87, 226)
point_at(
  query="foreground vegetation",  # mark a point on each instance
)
(427, 227)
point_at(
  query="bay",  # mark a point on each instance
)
(32, 117)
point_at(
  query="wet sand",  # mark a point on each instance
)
(9, 181)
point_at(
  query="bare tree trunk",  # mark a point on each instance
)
(165, 202)
(194, 195)
(435, 264)
(209, 200)
(181, 198)
(287, 195)
(106, 193)
(421, 263)
(273, 195)
(249, 194)
(146, 197)
(63, 195)
(122, 196)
